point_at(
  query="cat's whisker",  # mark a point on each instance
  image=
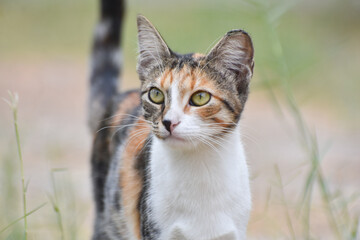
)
(128, 125)
(215, 131)
(148, 141)
(131, 117)
(205, 141)
(250, 138)
(219, 140)
(216, 139)
(138, 133)
(208, 133)
(218, 124)
(123, 125)
(217, 127)
(249, 133)
(107, 127)
(190, 139)
(115, 115)
(140, 143)
(135, 136)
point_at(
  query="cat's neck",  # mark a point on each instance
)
(199, 187)
(206, 162)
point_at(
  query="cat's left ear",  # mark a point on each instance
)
(234, 54)
(153, 50)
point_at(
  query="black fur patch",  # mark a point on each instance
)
(149, 231)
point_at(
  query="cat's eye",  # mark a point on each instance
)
(156, 96)
(200, 98)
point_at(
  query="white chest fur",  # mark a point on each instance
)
(202, 194)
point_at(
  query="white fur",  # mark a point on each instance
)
(102, 30)
(175, 113)
(200, 194)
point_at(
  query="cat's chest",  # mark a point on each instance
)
(199, 196)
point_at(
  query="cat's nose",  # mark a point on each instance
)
(169, 125)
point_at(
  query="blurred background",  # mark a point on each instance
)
(301, 125)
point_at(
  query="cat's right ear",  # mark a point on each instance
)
(152, 48)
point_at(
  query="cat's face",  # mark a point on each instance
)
(193, 99)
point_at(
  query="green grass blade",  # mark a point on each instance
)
(355, 231)
(14, 99)
(20, 218)
(287, 214)
(55, 201)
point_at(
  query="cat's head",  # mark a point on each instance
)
(193, 98)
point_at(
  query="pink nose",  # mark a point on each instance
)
(170, 125)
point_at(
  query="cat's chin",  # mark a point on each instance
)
(179, 142)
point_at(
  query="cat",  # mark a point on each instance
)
(167, 159)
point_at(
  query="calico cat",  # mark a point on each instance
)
(167, 160)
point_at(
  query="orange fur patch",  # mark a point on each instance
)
(130, 180)
(164, 77)
(208, 111)
(171, 78)
(124, 107)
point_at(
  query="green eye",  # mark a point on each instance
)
(200, 98)
(156, 96)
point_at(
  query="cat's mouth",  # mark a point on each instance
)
(174, 139)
